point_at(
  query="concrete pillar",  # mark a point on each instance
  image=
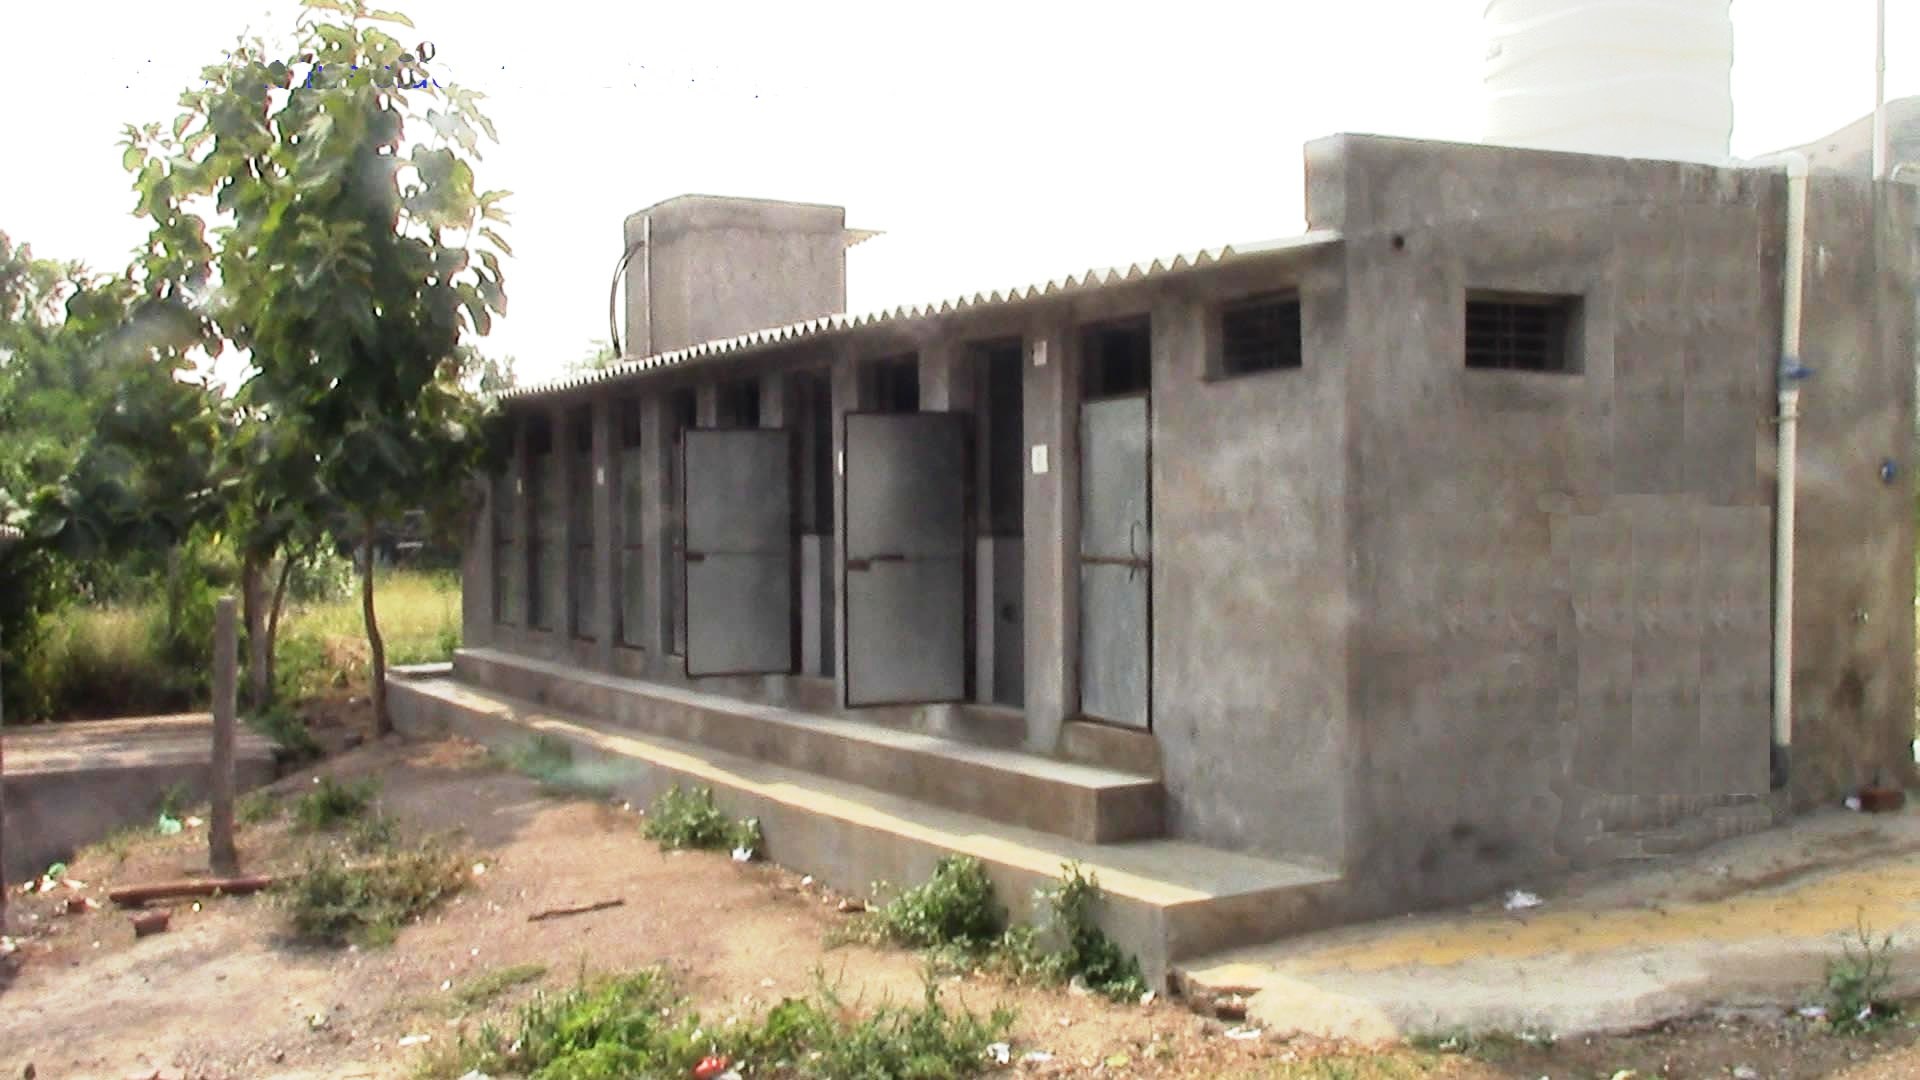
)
(656, 458)
(776, 402)
(520, 573)
(477, 568)
(558, 473)
(848, 396)
(607, 610)
(946, 377)
(1052, 422)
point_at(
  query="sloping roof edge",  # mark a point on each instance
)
(829, 325)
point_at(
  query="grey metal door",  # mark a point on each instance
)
(1116, 562)
(906, 530)
(739, 552)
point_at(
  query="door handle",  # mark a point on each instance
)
(890, 557)
(1133, 548)
(854, 565)
(696, 556)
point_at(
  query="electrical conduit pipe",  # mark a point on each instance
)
(1785, 449)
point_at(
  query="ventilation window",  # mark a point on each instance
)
(1118, 359)
(738, 404)
(1259, 334)
(894, 385)
(1507, 332)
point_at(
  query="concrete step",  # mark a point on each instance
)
(1165, 899)
(1084, 802)
(69, 785)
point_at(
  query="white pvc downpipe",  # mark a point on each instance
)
(1785, 450)
(1880, 91)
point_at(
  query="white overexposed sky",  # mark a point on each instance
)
(996, 143)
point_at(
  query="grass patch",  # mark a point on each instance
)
(286, 729)
(1489, 1046)
(637, 1025)
(125, 659)
(485, 988)
(337, 901)
(1857, 984)
(1378, 1065)
(690, 819)
(257, 808)
(331, 803)
(549, 760)
(956, 918)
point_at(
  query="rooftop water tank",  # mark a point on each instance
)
(1635, 78)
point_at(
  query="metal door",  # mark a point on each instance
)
(1116, 563)
(906, 530)
(740, 580)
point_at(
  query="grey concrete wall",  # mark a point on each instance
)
(1249, 542)
(715, 267)
(1560, 583)
(1854, 533)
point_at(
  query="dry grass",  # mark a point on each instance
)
(110, 660)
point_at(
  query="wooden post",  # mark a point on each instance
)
(222, 855)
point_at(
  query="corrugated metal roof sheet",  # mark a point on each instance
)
(828, 325)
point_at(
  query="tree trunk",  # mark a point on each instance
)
(382, 723)
(259, 643)
(287, 563)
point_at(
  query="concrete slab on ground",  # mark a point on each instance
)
(69, 785)
(1748, 923)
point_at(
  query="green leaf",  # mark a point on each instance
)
(496, 240)
(390, 16)
(133, 159)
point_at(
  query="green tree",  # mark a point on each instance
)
(600, 355)
(354, 261)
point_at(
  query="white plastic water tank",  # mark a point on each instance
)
(1636, 78)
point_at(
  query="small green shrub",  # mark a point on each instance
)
(956, 918)
(636, 1025)
(325, 576)
(173, 801)
(334, 901)
(1857, 984)
(1087, 952)
(280, 723)
(332, 803)
(496, 982)
(689, 819)
(257, 808)
(954, 909)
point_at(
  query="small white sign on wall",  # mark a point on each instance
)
(519, 487)
(1039, 458)
(1040, 360)
(600, 475)
(840, 463)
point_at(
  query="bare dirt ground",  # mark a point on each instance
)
(226, 993)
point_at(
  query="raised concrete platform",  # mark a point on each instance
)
(69, 785)
(1166, 899)
(1083, 802)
